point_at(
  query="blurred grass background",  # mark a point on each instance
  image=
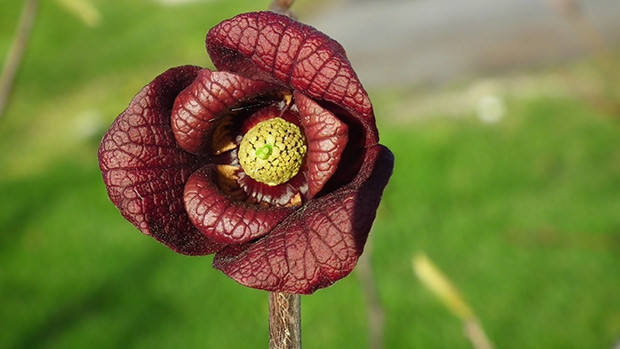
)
(520, 212)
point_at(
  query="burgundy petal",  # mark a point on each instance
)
(326, 137)
(145, 171)
(223, 218)
(270, 46)
(318, 244)
(210, 94)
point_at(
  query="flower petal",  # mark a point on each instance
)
(326, 136)
(270, 46)
(198, 106)
(223, 218)
(145, 171)
(319, 243)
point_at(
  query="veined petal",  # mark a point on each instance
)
(197, 108)
(326, 137)
(145, 171)
(274, 47)
(318, 244)
(223, 218)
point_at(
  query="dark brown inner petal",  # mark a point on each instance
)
(213, 95)
(327, 138)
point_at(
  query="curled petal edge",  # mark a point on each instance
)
(198, 107)
(327, 138)
(145, 171)
(222, 218)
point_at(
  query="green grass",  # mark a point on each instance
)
(522, 214)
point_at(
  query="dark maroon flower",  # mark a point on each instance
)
(272, 162)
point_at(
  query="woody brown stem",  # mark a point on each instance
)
(374, 308)
(282, 7)
(284, 320)
(16, 52)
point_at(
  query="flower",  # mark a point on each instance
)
(272, 162)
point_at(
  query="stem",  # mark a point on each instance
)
(374, 308)
(16, 52)
(284, 321)
(284, 308)
(476, 335)
(282, 7)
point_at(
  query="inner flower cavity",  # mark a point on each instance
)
(272, 151)
(268, 146)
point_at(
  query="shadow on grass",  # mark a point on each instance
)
(27, 200)
(107, 300)
(105, 312)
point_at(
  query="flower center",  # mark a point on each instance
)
(272, 151)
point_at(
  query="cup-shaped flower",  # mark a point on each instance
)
(272, 162)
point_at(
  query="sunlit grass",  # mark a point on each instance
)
(523, 215)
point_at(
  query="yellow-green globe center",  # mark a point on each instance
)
(272, 151)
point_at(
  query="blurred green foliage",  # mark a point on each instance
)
(521, 214)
